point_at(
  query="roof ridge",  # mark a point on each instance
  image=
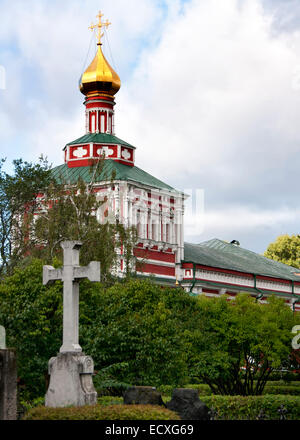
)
(104, 137)
(123, 172)
(237, 258)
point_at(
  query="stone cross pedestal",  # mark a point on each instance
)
(71, 371)
(8, 380)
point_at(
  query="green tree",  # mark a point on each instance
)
(32, 316)
(37, 213)
(285, 249)
(70, 212)
(241, 342)
(136, 324)
(141, 324)
(18, 200)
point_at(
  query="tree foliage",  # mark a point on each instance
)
(72, 212)
(143, 334)
(37, 213)
(285, 249)
(140, 324)
(32, 316)
(135, 323)
(18, 200)
(241, 342)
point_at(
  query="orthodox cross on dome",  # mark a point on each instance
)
(100, 25)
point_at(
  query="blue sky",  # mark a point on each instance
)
(210, 97)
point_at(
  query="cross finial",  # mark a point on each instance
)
(100, 25)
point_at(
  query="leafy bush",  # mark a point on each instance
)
(291, 390)
(203, 389)
(276, 387)
(249, 407)
(98, 412)
(287, 376)
(241, 342)
(165, 389)
(110, 400)
(106, 383)
(141, 325)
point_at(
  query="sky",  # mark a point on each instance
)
(210, 97)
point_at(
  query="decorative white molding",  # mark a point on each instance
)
(106, 150)
(273, 285)
(167, 277)
(155, 262)
(125, 154)
(80, 152)
(224, 278)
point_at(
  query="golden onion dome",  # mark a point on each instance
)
(99, 76)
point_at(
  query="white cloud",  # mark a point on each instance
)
(215, 105)
(217, 81)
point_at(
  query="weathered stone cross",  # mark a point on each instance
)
(70, 275)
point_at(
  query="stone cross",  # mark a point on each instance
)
(70, 275)
(2, 338)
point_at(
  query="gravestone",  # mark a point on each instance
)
(71, 371)
(8, 380)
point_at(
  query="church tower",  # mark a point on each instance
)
(136, 198)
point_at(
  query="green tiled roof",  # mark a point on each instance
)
(223, 255)
(99, 138)
(120, 171)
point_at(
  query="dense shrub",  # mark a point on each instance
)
(203, 389)
(98, 412)
(282, 383)
(276, 387)
(287, 376)
(141, 325)
(287, 389)
(249, 407)
(110, 400)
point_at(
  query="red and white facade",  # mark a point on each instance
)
(99, 114)
(214, 282)
(158, 216)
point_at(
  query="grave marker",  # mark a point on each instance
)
(71, 371)
(8, 379)
(2, 338)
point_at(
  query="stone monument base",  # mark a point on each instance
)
(8, 384)
(71, 382)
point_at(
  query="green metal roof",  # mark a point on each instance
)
(63, 173)
(223, 255)
(99, 138)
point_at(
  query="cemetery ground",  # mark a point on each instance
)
(139, 334)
